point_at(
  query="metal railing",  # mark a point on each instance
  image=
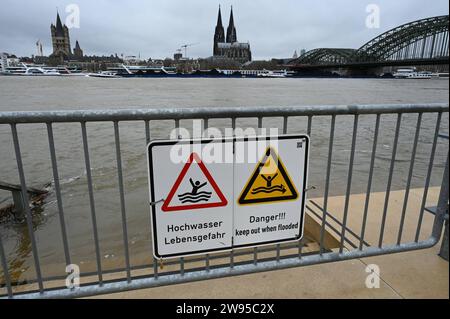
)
(237, 262)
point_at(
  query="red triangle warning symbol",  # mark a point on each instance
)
(196, 190)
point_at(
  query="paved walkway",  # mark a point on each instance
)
(418, 274)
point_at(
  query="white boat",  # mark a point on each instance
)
(104, 74)
(412, 74)
(31, 70)
(13, 70)
(272, 74)
(37, 71)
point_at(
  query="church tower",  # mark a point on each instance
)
(77, 51)
(60, 39)
(219, 35)
(231, 31)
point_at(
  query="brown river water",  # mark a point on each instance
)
(53, 93)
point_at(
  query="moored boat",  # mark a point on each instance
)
(412, 74)
(104, 74)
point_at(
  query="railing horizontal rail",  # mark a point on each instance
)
(247, 268)
(213, 112)
(170, 262)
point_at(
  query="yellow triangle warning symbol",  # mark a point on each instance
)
(270, 182)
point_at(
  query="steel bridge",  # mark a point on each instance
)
(421, 42)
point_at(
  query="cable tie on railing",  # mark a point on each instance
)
(157, 202)
(310, 188)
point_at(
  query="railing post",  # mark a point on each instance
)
(443, 253)
(19, 205)
(442, 214)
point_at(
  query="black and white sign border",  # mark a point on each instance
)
(153, 200)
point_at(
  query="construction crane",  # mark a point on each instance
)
(185, 46)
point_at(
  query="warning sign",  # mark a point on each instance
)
(270, 182)
(190, 193)
(270, 194)
(191, 198)
(253, 195)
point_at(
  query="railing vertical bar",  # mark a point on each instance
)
(233, 126)
(207, 262)
(349, 183)
(285, 129)
(308, 131)
(327, 183)
(278, 252)
(182, 266)
(5, 270)
(442, 206)
(309, 124)
(369, 183)
(92, 201)
(122, 200)
(147, 140)
(147, 131)
(25, 200)
(205, 128)
(428, 178)
(51, 142)
(300, 249)
(255, 249)
(181, 260)
(408, 183)
(391, 173)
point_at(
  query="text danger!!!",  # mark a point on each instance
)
(266, 224)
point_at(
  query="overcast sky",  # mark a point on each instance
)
(157, 28)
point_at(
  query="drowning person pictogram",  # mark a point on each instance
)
(269, 188)
(199, 191)
(195, 196)
(270, 182)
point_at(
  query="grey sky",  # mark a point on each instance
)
(157, 28)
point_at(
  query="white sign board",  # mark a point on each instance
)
(196, 215)
(221, 194)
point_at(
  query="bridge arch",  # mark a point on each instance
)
(326, 56)
(421, 39)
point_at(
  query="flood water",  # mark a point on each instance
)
(52, 93)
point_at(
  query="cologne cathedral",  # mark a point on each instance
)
(229, 47)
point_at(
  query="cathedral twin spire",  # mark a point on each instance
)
(231, 30)
(219, 34)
